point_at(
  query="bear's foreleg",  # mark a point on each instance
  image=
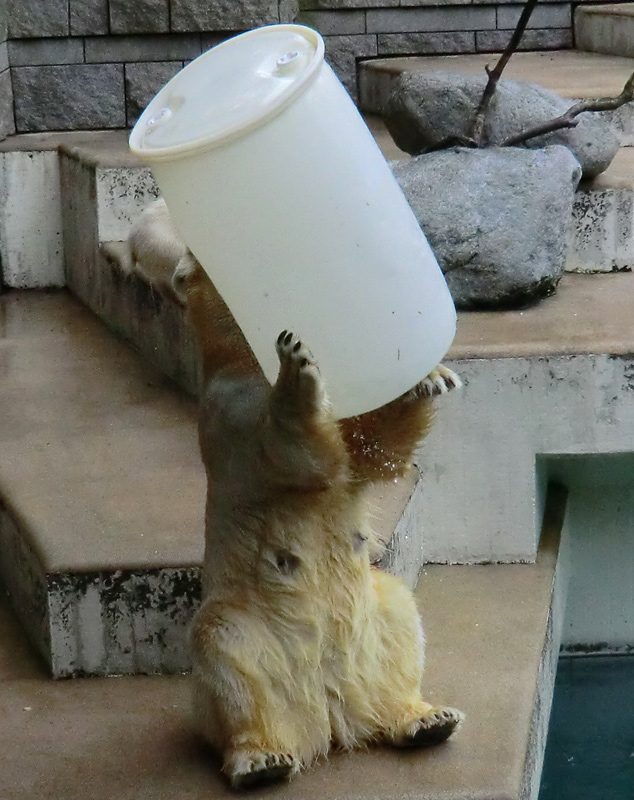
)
(382, 443)
(300, 438)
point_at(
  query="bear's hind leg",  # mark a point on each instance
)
(391, 678)
(250, 702)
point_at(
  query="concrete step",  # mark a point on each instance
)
(570, 73)
(492, 634)
(549, 382)
(606, 29)
(31, 236)
(603, 230)
(102, 495)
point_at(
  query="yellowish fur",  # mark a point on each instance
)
(300, 644)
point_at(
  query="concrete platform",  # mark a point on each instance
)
(603, 219)
(492, 644)
(102, 495)
(570, 73)
(589, 314)
(606, 29)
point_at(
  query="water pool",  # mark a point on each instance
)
(590, 747)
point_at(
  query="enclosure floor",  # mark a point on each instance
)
(590, 749)
(130, 738)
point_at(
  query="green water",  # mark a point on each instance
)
(590, 748)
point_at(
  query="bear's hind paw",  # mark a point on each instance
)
(431, 729)
(250, 769)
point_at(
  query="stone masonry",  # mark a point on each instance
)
(90, 64)
(6, 94)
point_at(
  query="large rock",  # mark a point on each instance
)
(497, 219)
(425, 108)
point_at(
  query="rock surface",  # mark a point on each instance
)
(496, 218)
(426, 108)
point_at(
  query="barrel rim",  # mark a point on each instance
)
(239, 130)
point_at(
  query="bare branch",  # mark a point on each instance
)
(477, 126)
(569, 119)
(450, 141)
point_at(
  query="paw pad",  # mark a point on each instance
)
(291, 349)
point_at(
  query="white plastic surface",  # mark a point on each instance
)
(229, 89)
(301, 226)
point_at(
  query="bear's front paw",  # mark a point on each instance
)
(434, 727)
(248, 768)
(439, 381)
(293, 353)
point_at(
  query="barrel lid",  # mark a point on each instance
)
(229, 90)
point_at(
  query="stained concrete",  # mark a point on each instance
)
(131, 738)
(603, 230)
(101, 493)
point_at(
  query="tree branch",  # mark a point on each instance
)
(449, 141)
(569, 119)
(477, 126)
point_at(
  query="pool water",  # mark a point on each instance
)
(590, 747)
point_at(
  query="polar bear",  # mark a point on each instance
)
(300, 643)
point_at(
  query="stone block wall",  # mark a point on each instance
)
(89, 64)
(356, 29)
(7, 125)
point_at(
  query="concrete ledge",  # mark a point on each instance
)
(31, 250)
(552, 380)
(606, 29)
(492, 634)
(101, 491)
(603, 230)
(570, 73)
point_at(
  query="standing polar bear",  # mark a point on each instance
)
(300, 643)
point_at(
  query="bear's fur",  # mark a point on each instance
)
(300, 643)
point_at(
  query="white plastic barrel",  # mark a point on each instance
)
(280, 191)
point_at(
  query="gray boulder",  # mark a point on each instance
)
(496, 218)
(424, 109)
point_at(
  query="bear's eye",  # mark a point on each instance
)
(287, 563)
